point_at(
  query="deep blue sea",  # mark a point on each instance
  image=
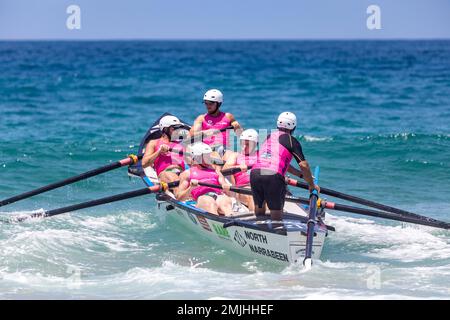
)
(375, 115)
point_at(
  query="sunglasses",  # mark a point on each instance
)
(208, 103)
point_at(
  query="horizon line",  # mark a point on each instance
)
(216, 39)
(219, 39)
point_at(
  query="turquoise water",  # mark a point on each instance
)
(374, 115)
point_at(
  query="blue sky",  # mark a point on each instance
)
(224, 19)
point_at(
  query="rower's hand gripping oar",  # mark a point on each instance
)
(362, 201)
(130, 160)
(314, 196)
(215, 161)
(198, 137)
(118, 197)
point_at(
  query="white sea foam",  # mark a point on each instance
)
(57, 244)
(400, 242)
(316, 139)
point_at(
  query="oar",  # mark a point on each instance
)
(216, 161)
(130, 160)
(421, 220)
(233, 189)
(425, 221)
(313, 197)
(232, 170)
(118, 197)
(355, 199)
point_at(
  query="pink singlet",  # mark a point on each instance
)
(207, 175)
(273, 156)
(219, 122)
(243, 178)
(171, 158)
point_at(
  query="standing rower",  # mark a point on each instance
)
(168, 165)
(244, 159)
(214, 120)
(212, 200)
(267, 178)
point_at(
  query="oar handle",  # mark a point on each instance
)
(130, 160)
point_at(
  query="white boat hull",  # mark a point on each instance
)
(284, 248)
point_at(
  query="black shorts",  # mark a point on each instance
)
(270, 188)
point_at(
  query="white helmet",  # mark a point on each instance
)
(287, 120)
(199, 148)
(168, 121)
(213, 95)
(250, 135)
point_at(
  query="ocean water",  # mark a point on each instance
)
(375, 115)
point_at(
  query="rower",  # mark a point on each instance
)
(168, 165)
(244, 159)
(214, 120)
(212, 200)
(267, 177)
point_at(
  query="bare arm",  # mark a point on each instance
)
(224, 183)
(197, 126)
(237, 127)
(307, 175)
(295, 171)
(150, 154)
(184, 187)
(230, 160)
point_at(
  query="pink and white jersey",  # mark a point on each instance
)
(273, 156)
(243, 178)
(206, 175)
(219, 122)
(171, 158)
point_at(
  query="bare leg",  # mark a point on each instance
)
(276, 215)
(224, 205)
(169, 177)
(166, 176)
(208, 204)
(260, 211)
(247, 200)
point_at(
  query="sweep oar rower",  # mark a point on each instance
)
(267, 177)
(212, 200)
(244, 159)
(214, 120)
(168, 165)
